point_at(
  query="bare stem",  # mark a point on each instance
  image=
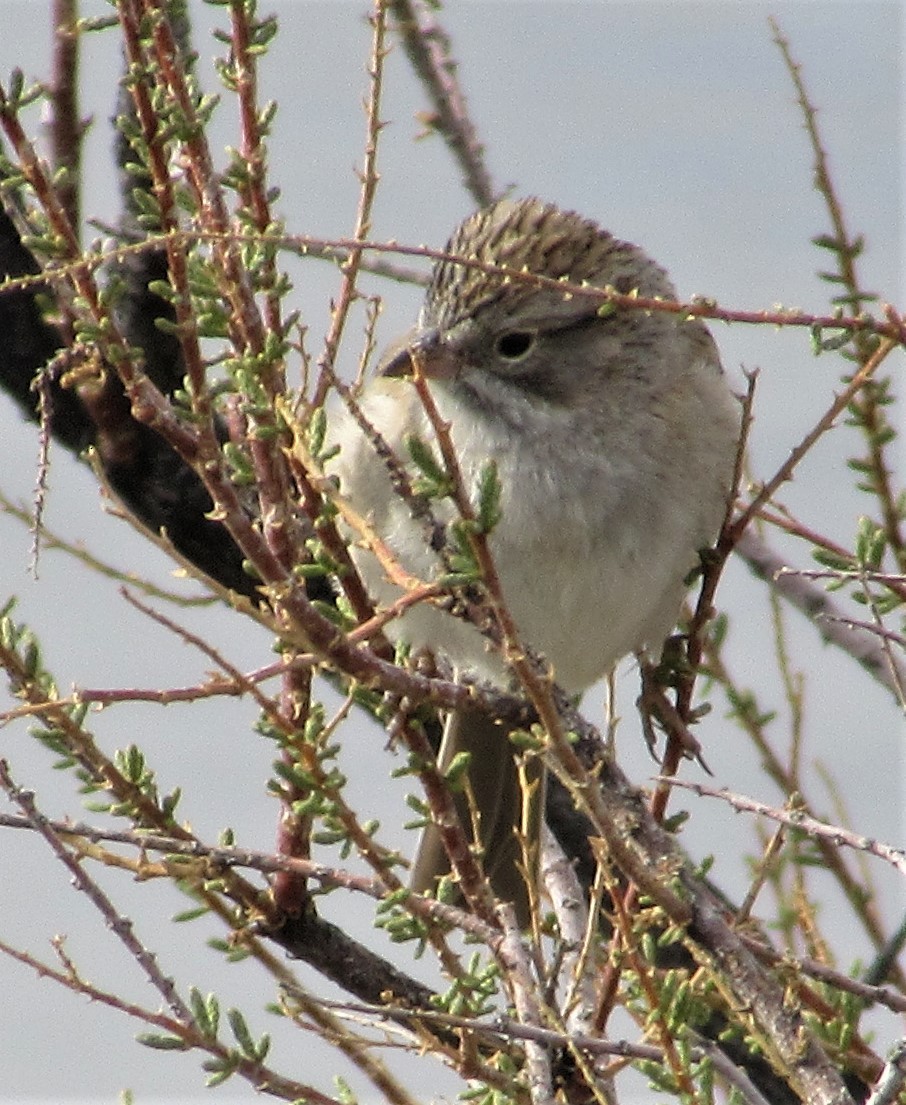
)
(427, 46)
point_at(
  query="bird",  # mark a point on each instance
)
(613, 431)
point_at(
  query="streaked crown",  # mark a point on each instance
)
(528, 235)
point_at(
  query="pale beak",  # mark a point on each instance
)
(434, 357)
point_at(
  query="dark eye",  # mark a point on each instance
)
(514, 345)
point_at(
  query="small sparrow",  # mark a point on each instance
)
(614, 434)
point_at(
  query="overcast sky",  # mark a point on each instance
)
(673, 124)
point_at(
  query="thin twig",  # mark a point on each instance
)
(369, 178)
(822, 426)
(309, 245)
(820, 608)
(868, 407)
(427, 46)
(890, 1084)
(799, 820)
(121, 926)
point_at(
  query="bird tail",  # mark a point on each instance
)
(509, 813)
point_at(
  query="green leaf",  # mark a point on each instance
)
(219, 1077)
(435, 482)
(206, 1011)
(489, 490)
(344, 1092)
(241, 470)
(455, 773)
(190, 914)
(170, 802)
(826, 241)
(241, 1032)
(161, 1042)
(870, 544)
(833, 560)
(317, 430)
(221, 1069)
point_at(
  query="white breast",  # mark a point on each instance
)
(589, 573)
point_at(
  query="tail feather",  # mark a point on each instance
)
(504, 814)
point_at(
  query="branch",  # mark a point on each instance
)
(797, 819)
(824, 613)
(427, 46)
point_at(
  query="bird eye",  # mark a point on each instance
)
(515, 344)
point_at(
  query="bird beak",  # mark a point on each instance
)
(424, 348)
